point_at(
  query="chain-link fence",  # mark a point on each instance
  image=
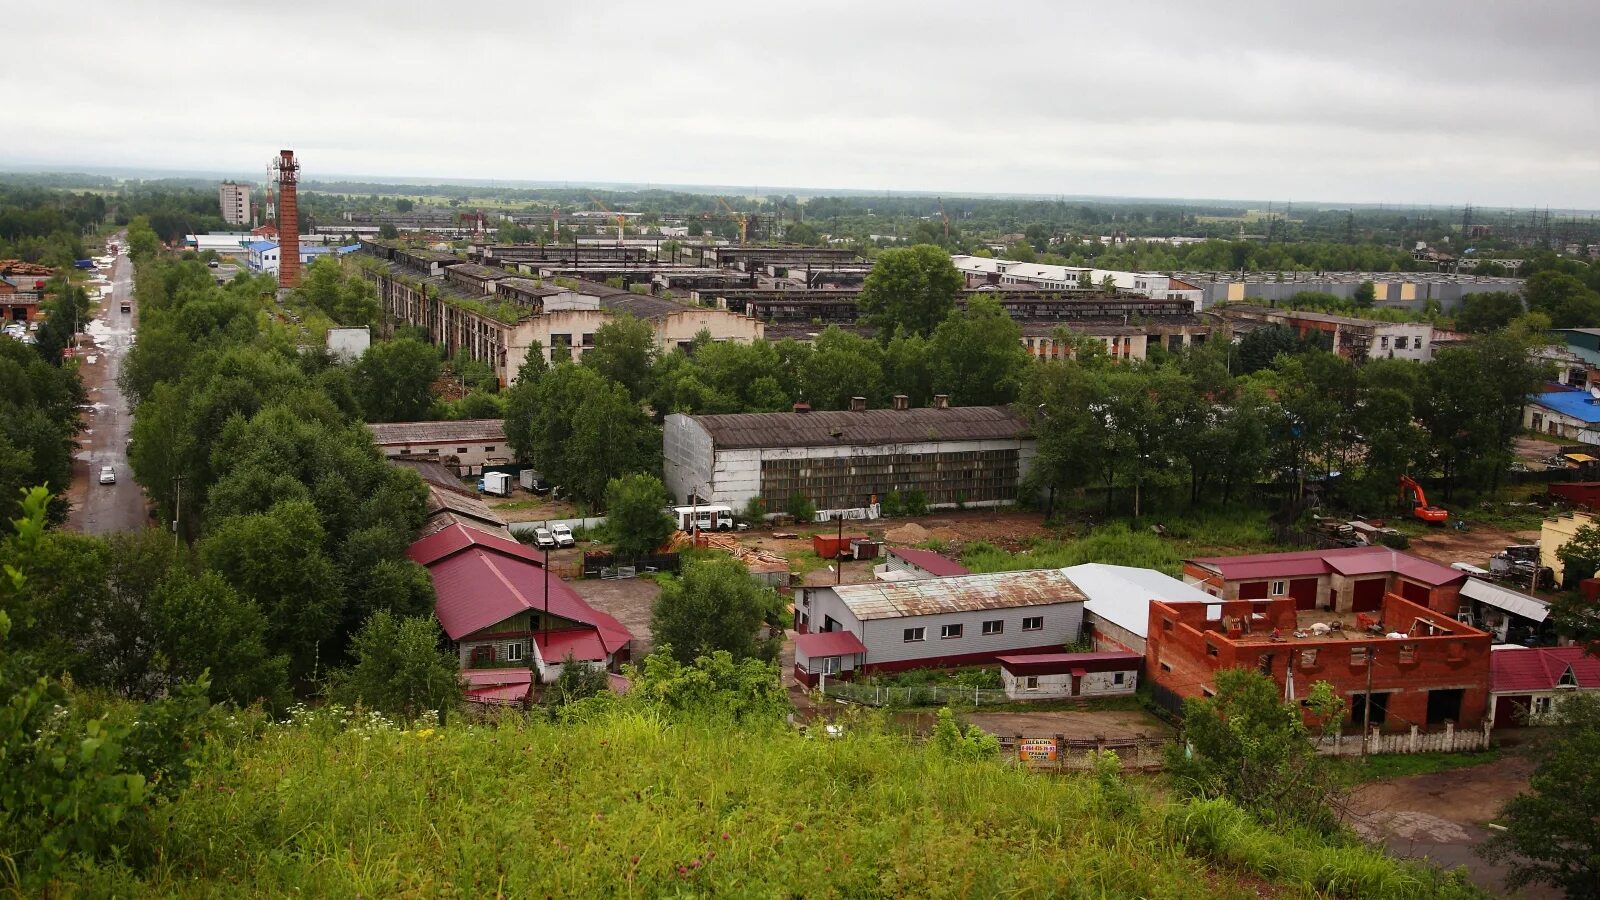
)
(876, 694)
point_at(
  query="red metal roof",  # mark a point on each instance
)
(1344, 561)
(931, 562)
(505, 693)
(480, 579)
(477, 678)
(583, 644)
(1069, 663)
(1540, 669)
(818, 644)
(453, 540)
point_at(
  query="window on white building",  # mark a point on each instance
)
(1030, 683)
(1033, 623)
(994, 626)
(1278, 589)
(949, 631)
(830, 665)
(916, 634)
(1119, 677)
(1400, 343)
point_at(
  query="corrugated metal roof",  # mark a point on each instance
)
(1508, 600)
(930, 562)
(874, 426)
(1344, 560)
(480, 580)
(457, 431)
(1541, 669)
(1063, 663)
(818, 644)
(959, 593)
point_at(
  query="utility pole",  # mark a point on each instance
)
(1366, 704)
(838, 564)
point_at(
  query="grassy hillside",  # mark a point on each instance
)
(630, 805)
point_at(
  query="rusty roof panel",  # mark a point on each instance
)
(874, 426)
(958, 593)
(446, 432)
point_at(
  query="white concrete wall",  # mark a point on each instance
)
(1418, 337)
(1093, 684)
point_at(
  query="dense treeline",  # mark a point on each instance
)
(39, 421)
(291, 528)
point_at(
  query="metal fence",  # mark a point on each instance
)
(609, 565)
(872, 694)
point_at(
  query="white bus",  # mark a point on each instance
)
(708, 517)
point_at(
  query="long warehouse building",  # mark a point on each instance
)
(846, 462)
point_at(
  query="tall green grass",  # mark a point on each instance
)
(1116, 544)
(629, 804)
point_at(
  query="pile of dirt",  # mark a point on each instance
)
(909, 533)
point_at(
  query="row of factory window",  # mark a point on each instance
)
(956, 629)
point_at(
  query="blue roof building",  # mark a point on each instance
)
(1565, 415)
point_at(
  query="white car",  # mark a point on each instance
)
(543, 538)
(563, 536)
(108, 475)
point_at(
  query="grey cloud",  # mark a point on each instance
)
(1485, 102)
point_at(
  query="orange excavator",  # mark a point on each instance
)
(1433, 515)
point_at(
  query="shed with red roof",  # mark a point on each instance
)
(1053, 676)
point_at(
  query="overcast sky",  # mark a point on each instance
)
(1490, 102)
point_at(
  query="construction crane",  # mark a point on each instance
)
(744, 223)
(1433, 515)
(946, 217)
(622, 220)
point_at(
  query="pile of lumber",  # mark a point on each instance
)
(727, 543)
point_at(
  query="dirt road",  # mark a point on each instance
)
(102, 508)
(1440, 817)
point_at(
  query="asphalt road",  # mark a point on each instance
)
(103, 508)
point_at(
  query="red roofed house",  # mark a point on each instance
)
(508, 617)
(1346, 580)
(1351, 617)
(1527, 682)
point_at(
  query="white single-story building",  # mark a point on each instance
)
(1117, 602)
(1056, 676)
(960, 620)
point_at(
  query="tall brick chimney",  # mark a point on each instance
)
(288, 220)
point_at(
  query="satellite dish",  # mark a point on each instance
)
(1594, 391)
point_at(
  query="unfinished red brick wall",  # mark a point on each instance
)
(1184, 653)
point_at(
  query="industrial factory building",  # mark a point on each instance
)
(844, 462)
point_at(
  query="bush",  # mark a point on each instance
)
(1393, 541)
(801, 507)
(916, 503)
(754, 512)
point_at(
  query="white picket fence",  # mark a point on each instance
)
(1450, 740)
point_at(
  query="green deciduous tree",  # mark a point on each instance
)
(1246, 744)
(276, 560)
(346, 298)
(715, 605)
(636, 515)
(1550, 836)
(910, 289)
(399, 669)
(394, 380)
(624, 351)
(1488, 311)
(199, 624)
(977, 355)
